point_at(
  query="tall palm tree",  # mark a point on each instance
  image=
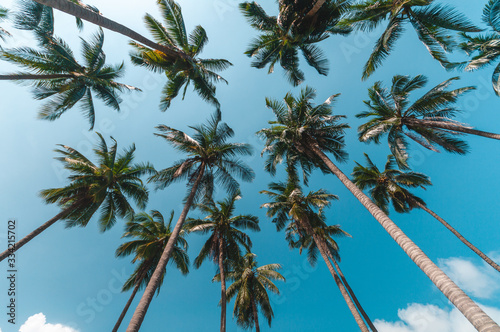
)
(149, 234)
(106, 186)
(250, 286)
(433, 23)
(301, 134)
(428, 121)
(485, 47)
(87, 14)
(211, 160)
(282, 37)
(3, 16)
(289, 204)
(56, 75)
(304, 241)
(225, 239)
(182, 72)
(392, 185)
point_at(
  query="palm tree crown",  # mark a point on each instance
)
(432, 22)
(222, 226)
(250, 286)
(58, 76)
(391, 114)
(180, 71)
(105, 185)
(208, 152)
(299, 123)
(391, 185)
(150, 234)
(282, 37)
(485, 47)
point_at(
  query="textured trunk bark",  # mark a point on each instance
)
(480, 320)
(452, 127)
(255, 315)
(129, 302)
(353, 296)
(39, 230)
(33, 77)
(457, 234)
(142, 307)
(323, 251)
(223, 287)
(314, 9)
(90, 16)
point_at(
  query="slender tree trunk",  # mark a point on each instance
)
(92, 17)
(222, 286)
(315, 9)
(480, 320)
(39, 230)
(457, 234)
(452, 127)
(129, 302)
(255, 314)
(323, 251)
(353, 296)
(33, 77)
(142, 307)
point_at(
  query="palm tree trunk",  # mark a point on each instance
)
(452, 127)
(129, 302)
(16, 77)
(255, 314)
(353, 296)
(457, 234)
(222, 286)
(95, 18)
(142, 307)
(478, 318)
(323, 251)
(314, 9)
(39, 230)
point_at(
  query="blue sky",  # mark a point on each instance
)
(71, 276)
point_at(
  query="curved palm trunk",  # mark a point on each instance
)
(39, 230)
(223, 287)
(323, 251)
(478, 318)
(351, 293)
(457, 234)
(142, 307)
(452, 127)
(314, 9)
(92, 17)
(16, 77)
(255, 314)
(124, 311)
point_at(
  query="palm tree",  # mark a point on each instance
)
(225, 239)
(150, 234)
(106, 186)
(304, 241)
(3, 16)
(182, 72)
(428, 121)
(289, 204)
(85, 13)
(55, 74)
(392, 185)
(433, 23)
(250, 285)
(301, 134)
(485, 47)
(211, 160)
(282, 37)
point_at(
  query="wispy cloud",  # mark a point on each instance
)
(38, 323)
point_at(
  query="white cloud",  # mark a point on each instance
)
(430, 318)
(38, 323)
(480, 281)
